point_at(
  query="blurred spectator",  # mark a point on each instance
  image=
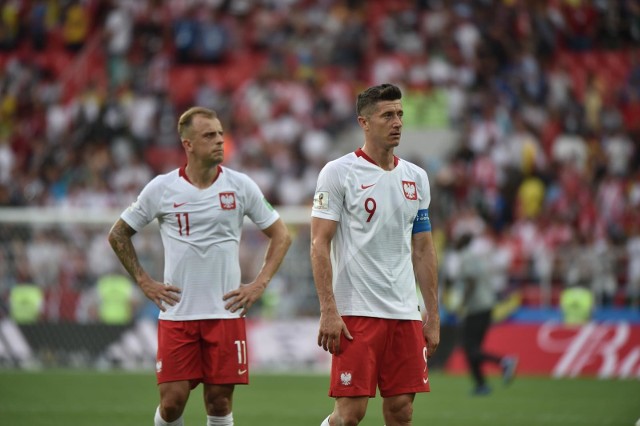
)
(633, 267)
(7, 161)
(11, 25)
(387, 67)
(619, 152)
(425, 107)
(569, 147)
(39, 22)
(117, 299)
(44, 254)
(349, 34)
(213, 40)
(132, 173)
(603, 256)
(472, 272)
(26, 303)
(185, 34)
(530, 197)
(576, 303)
(75, 25)
(118, 33)
(580, 21)
(541, 100)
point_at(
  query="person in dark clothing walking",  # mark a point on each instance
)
(473, 276)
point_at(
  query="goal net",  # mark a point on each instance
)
(65, 252)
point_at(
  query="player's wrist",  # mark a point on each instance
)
(332, 310)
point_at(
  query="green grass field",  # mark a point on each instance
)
(64, 398)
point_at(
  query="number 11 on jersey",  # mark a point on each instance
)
(186, 222)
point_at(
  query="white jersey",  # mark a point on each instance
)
(371, 252)
(201, 231)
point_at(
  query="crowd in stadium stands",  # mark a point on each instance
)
(544, 96)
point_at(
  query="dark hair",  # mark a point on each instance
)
(374, 94)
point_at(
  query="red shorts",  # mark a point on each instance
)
(387, 353)
(213, 351)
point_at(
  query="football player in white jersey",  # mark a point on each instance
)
(200, 209)
(370, 243)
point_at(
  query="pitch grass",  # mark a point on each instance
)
(63, 398)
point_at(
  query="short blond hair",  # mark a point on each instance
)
(186, 119)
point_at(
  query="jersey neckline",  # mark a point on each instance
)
(360, 153)
(183, 174)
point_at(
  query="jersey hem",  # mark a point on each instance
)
(402, 391)
(319, 215)
(133, 226)
(267, 224)
(197, 317)
(411, 317)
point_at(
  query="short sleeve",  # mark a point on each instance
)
(329, 196)
(258, 209)
(145, 209)
(424, 191)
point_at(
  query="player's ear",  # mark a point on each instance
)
(186, 144)
(363, 122)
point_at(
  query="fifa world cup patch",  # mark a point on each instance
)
(410, 190)
(321, 200)
(227, 200)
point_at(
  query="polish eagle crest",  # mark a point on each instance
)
(228, 200)
(345, 378)
(409, 189)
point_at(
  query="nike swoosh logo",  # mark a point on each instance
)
(176, 205)
(366, 186)
(241, 372)
(425, 381)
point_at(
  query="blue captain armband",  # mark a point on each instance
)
(422, 222)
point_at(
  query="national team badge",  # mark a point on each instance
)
(228, 200)
(410, 190)
(345, 378)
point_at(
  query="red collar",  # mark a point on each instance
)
(183, 174)
(360, 153)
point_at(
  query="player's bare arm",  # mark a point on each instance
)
(425, 266)
(331, 324)
(120, 240)
(247, 294)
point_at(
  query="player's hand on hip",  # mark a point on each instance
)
(161, 294)
(331, 327)
(243, 297)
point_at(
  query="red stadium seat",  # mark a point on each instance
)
(184, 80)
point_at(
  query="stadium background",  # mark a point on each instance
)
(526, 115)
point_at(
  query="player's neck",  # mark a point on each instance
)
(383, 157)
(201, 176)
